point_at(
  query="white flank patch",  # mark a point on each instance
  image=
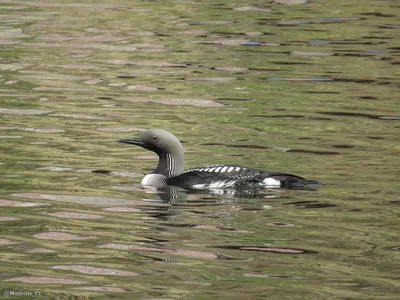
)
(217, 169)
(230, 169)
(271, 182)
(211, 170)
(216, 191)
(199, 186)
(224, 169)
(230, 183)
(237, 169)
(217, 184)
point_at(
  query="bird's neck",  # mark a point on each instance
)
(170, 165)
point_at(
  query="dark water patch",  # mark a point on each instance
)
(126, 77)
(239, 146)
(219, 228)
(95, 271)
(103, 172)
(223, 33)
(375, 137)
(361, 115)
(182, 225)
(318, 152)
(388, 26)
(378, 14)
(281, 224)
(291, 117)
(279, 116)
(353, 209)
(310, 204)
(395, 202)
(61, 236)
(47, 280)
(355, 55)
(378, 37)
(341, 42)
(212, 79)
(337, 19)
(342, 146)
(284, 63)
(348, 114)
(316, 79)
(368, 97)
(212, 144)
(277, 250)
(273, 276)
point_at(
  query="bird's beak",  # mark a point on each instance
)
(134, 141)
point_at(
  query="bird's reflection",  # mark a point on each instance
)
(179, 199)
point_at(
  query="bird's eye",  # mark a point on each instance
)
(154, 137)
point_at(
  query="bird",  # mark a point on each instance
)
(170, 169)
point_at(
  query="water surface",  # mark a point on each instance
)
(310, 89)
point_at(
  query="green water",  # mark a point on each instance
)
(310, 89)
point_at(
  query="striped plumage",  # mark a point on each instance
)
(170, 170)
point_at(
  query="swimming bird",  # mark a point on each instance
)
(170, 169)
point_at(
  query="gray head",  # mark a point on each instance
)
(166, 145)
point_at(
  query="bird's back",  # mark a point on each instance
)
(233, 176)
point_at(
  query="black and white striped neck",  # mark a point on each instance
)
(169, 165)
